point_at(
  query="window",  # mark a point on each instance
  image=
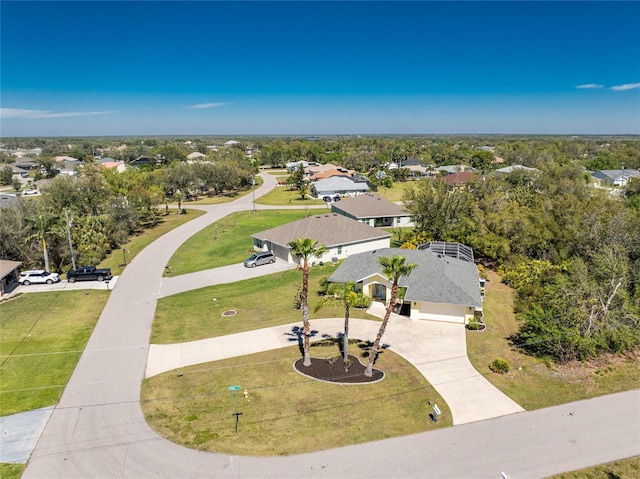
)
(339, 249)
(259, 243)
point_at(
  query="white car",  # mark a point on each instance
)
(38, 276)
(29, 192)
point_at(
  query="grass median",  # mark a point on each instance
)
(260, 303)
(43, 337)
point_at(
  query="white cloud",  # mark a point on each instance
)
(587, 86)
(207, 105)
(626, 86)
(23, 113)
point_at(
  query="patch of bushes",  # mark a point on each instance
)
(499, 366)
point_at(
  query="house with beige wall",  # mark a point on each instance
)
(440, 288)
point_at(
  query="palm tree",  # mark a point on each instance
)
(305, 249)
(393, 269)
(342, 295)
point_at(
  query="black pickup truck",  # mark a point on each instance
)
(89, 273)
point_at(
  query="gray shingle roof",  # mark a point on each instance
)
(613, 175)
(327, 229)
(369, 206)
(339, 183)
(436, 279)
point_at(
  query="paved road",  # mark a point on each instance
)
(98, 430)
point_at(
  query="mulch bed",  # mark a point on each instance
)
(332, 370)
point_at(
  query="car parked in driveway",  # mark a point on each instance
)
(30, 192)
(257, 259)
(38, 276)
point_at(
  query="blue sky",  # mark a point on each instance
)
(84, 68)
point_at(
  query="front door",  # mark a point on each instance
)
(379, 292)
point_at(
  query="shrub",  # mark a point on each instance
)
(500, 366)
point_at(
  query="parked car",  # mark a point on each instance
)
(326, 199)
(258, 259)
(29, 192)
(38, 276)
(336, 198)
(89, 273)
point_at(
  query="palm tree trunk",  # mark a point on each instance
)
(368, 372)
(305, 314)
(345, 339)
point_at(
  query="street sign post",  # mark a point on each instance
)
(235, 389)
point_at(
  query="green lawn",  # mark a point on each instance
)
(11, 471)
(532, 382)
(116, 259)
(623, 469)
(43, 336)
(260, 302)
(286, 412)
(224, 198)
(396, 192)
(285, 196)
(227, 241)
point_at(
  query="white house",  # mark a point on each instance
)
(338, 185)
(440, 288)
(373, 210)
(340, 235)
(616, 177)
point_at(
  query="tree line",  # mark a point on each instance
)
(571, 251)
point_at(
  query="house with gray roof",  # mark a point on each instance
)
(616, 177)
(341, 236)
(338, 185)
(373, 210)
(440, 288)
(512, 168)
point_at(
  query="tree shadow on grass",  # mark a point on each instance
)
(297, 334)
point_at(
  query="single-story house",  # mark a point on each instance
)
(373, 210)
(195, 155)
(451, 169)
(119, 166)
(457, 179)
(340, 235)
(616, 177)
(338, 185)
(7, 200)
(417, 172)
(440, 288)
(27, 164)
(323, 175)
(8, 273)
(66, 159)
(512, 168)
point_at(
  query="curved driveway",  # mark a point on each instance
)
(98, 429)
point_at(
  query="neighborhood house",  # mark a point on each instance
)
(442, 287)
(340, 235)
(374, 211)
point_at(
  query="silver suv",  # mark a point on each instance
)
(258, 259)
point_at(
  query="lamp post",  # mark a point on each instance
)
(69, 223)
(253, 192)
